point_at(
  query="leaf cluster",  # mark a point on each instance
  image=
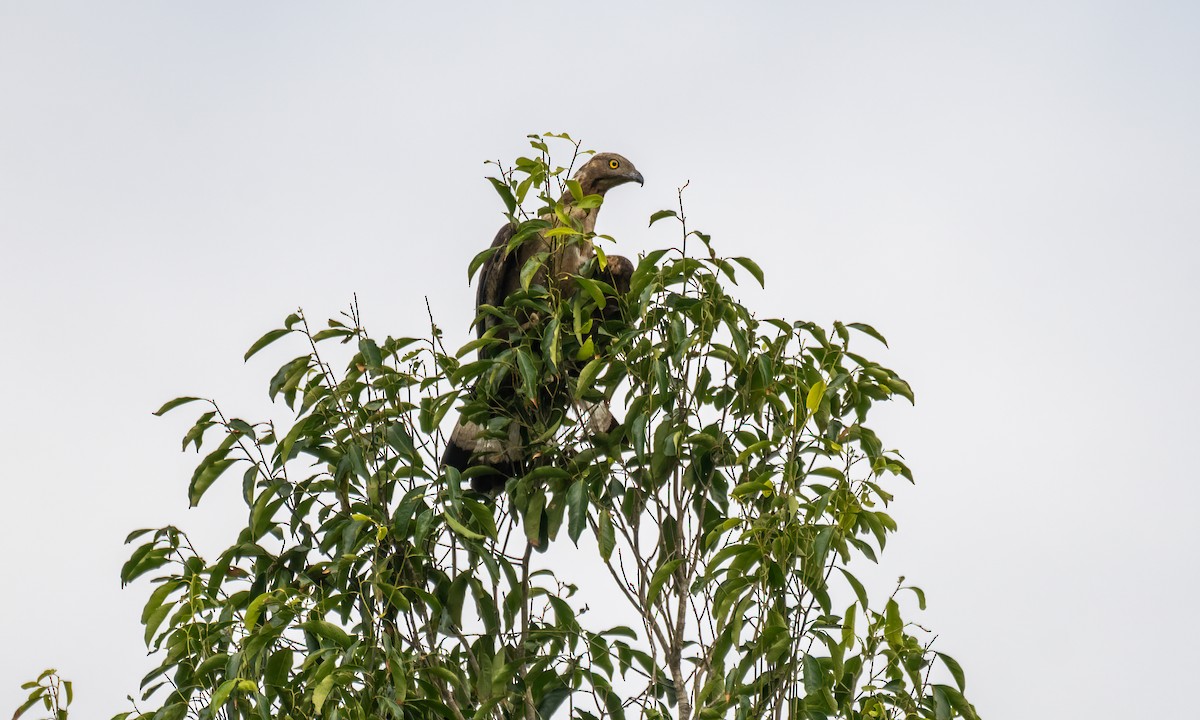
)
(50, 691)
(726, 508)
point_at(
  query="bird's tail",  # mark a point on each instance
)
(468, 446)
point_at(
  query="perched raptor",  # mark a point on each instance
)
(500, 276)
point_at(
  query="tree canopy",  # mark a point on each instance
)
(720, 517)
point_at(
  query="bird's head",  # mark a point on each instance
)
(606, 171)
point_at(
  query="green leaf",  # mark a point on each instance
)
(860, 592)
(606, 535)
(955, 669)
(483, 516)
(357, 463)
(172, 404)
(264, 341)
(593, 289)
(33, 699)
(329, 631)
(867, 329)
(561, 231)
(661, 214)
(533, 518)
(529, 379)
(893, 626)
(813, 675)
(828, 472)
(156, 598)
(553, 699)
(434, 409)
(205, 477)
(586, 350)
(941, 704)
(587, 376)
(137, 534)
(848, 627)
(211, 665)
(321, 692)
(659, 578)
(394, 596)
(587, 202)
(575, 189)
(916, 590)
(550, 344)
(479, 259)
(957, 701)
(815, 393)
(176, 711)
(753, 267)
(371, 352)
(577, 504)
(250, 619)
(400, 440)
(505, 193)
(461, 529)
(531, 268)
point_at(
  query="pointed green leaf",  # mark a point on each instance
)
(505, 193)
(529, 379)
(813, 676)
(206, 477)
(955, 669)
(321, 692)
(815, 393)
(860, 592)
(264, 341)
(172, 404)
(660, 578)
(394, 597)
(399, 439)
(329, 631)
(662, 214)
(864, 328)
(593, 289)
(461, 529)
(941, 705)
(586, 350)
(370, 352)
(33, 700)
(606, 534)
(848, 627)
(577, 504)
(753, 267)
(575, 189)
(893, 626)
(587, 375)
(479, 259)
(533, 518)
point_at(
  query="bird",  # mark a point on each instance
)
(500, 277)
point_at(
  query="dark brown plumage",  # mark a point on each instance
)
(500, 277)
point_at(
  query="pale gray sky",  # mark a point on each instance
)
(1013, 186)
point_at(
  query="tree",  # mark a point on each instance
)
(723, 512)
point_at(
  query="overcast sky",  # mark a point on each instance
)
(1008, 190)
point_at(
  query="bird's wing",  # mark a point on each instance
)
(494, 275)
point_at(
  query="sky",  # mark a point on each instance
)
(1007, 190)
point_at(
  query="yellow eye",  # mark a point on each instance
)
(614, 164)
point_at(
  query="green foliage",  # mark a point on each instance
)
(369, 583)
(51, 691)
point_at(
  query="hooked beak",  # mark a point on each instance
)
(637, 178)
